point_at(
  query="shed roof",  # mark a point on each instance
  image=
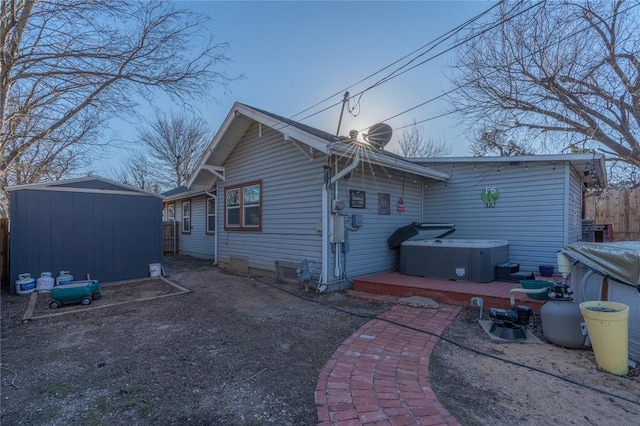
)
(88, 184)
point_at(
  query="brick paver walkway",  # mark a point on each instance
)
(380, 375)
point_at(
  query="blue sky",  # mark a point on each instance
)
(295, 54)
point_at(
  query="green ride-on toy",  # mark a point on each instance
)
(76, 292)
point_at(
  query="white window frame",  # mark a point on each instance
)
(210, 214)
(186, 217)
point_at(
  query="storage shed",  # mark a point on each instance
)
(86, 226)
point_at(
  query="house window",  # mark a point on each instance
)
(171, 212)
(243, 207)
(186, 217)
(211, 215)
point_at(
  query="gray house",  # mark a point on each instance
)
(195, 212)
(269, 193)
(538, 206)
(86, 226)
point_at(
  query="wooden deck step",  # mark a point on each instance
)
(494, 294)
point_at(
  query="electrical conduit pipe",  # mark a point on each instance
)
(326, 188)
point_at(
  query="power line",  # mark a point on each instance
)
(392, 75)
(435, 42)
(456, 88)
(395, 75)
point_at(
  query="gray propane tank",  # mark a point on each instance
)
(561, 323)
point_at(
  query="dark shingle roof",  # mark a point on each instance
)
(317, 132)
(312, 130)
(175, 191)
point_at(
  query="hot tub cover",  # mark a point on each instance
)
(619, 260)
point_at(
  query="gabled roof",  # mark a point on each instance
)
(88, 184)
(241, 116)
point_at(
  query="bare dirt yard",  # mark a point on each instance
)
(241, 351)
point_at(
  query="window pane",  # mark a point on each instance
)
(186, 209)
(211, 215)
(186, 225)
(171, 212)
(251, 217)
(233, 217)
(233, 197)
(251, 194)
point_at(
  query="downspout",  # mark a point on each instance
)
(215, 235)
(326, 188)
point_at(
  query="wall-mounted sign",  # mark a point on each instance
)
(357, 199)
(490, 196)
(384, 204)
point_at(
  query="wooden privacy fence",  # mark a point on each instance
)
(618, 207)
(170, 237)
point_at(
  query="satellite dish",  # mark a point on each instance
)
(379, 135)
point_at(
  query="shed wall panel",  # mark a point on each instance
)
(111, 237)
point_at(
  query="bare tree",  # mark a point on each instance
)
(136, 170)
(494, 142)
(66, 67)
(176, 143)
(622, 175)
(412, 144)
(562, 72)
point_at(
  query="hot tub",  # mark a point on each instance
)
(453, 259)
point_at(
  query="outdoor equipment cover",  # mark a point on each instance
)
(619, 261)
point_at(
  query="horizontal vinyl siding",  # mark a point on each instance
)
(574, 208)
(291, 201)
(198, 243)
(529, 213)
(369, 252)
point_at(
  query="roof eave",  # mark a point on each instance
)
(394, 163)
(183, 195)
(288, 131)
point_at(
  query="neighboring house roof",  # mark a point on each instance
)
(181, 193)
(241, 116)
(88, 184)
(175, 191)
(583, 163)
